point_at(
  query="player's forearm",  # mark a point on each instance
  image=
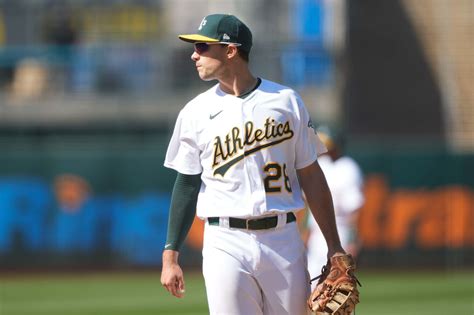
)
(319, 199)
(182, 209)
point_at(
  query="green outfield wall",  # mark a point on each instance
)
(75, 198)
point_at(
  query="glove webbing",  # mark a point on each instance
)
(324, 270)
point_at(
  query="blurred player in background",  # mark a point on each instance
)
(345, 180)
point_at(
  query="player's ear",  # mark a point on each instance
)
(232, 51)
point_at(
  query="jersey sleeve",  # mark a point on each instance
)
(308, 144)
(183, 154)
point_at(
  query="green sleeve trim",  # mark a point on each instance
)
(182, 209)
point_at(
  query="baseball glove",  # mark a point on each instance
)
(336, 292)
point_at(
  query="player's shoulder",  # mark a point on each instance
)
(346, 160)
(348, 164)
(282, 95)
(196, 104)
(274, 87)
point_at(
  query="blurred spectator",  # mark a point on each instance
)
(30, 80)
(61, 31)
(6, 72)
(345, 181)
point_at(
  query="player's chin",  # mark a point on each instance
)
(206, 77)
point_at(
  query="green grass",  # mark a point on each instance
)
(417, 293)
(98, 294)
(383, 293)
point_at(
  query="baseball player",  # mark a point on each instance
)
(345, 181)
(244, 150)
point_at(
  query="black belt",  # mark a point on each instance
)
(254, 224)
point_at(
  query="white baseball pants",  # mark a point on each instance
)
(255, 272)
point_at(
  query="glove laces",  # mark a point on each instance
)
(324, 270)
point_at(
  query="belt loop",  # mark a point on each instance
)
(281, 220)
(224, 222)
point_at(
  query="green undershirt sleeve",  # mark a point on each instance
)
(182, 209)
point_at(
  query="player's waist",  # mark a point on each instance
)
(261, 223)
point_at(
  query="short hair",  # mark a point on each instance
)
(243, 54)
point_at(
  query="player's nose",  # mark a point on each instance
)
(194, 56)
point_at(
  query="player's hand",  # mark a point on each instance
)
(171, 274)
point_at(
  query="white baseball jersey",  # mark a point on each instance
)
(345, 181)
(247, 149)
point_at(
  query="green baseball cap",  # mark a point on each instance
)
(221, 28)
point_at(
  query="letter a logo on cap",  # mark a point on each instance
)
(203, 22)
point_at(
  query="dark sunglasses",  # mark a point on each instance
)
(203, 47)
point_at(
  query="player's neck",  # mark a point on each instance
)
(238, 83)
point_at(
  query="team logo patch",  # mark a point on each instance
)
(203, 22)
